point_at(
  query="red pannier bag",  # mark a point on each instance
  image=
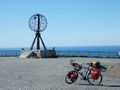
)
(95, 73)
(72, 75)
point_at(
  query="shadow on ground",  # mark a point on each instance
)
(101, 85)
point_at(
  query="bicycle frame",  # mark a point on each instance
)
(84, 76)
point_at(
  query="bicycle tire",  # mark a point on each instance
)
(69, 79)
(91, 81)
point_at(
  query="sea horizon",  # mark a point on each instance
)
(69, 46)
(72, 48)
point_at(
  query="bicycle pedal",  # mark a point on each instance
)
(84, 78)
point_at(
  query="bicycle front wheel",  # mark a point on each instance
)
(94, 81)
(71, 77)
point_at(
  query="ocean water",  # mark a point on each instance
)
(90, 51)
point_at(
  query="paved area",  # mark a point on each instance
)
(49, 74)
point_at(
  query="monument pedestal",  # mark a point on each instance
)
(47, 53)
(39, 54)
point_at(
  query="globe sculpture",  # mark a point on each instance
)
(38, 23)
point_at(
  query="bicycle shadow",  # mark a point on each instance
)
(102, 85)
(111, 85)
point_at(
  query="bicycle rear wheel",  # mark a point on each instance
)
(71, 77)
(94, 81)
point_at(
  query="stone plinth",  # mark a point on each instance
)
(39, 54)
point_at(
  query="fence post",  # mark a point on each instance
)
(5, 53)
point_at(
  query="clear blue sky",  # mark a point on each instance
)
(70, 22)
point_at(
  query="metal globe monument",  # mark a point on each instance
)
(38, 23)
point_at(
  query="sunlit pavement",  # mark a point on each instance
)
(48, 74)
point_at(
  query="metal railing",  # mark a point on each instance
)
(9, 53)
(87, 54)
(16, 53)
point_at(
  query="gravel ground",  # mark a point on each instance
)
(49, 74)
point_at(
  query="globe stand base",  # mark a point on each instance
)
(39, 54)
